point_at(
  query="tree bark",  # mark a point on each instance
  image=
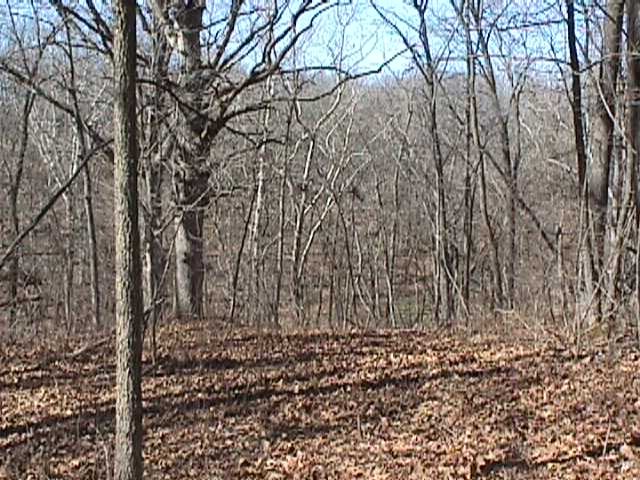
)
(576, 94)
(70, 253)
(469, 190)
(93, 245)
(129, 301)
(633, 92)
(14, 192)
(189, 264)
(191, 177)
(155, 260)
(603, 138)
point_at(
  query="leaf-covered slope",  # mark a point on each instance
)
(384, 405)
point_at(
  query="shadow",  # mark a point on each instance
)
(237, 402)
(84, 424)
(508, 466)
(307, 348)
(55, 374)
(279, 354)
(319, 371)
(174, 367)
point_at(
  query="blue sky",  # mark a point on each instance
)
(370, 42)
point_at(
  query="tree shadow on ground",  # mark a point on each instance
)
(325, 375)
(92, 414)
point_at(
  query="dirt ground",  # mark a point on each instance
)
(376, 405)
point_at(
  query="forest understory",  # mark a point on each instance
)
(375, 405)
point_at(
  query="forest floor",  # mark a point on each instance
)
(376, 405)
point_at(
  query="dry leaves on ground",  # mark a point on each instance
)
(384, 405)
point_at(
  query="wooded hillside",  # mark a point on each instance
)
(358, 226)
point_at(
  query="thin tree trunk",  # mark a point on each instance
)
(495, 249)
(463, 11)
(509, 166)
(93, 248)
(389, 247)
(128, 463)
(155, 260)
(238, 262)
(576, 100)
(301, 212)
(69, 272)
(281, 234)
(254, 238)
(587, 253)
(14, 192)
(257, 266)
(333, 289)
(87, 187)
(469, 192)
(351, 277)
(603, 138)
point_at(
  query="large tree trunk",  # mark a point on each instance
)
(204, 99)
(633, 99)
(189, 263)
(191, 175)
(128, 448)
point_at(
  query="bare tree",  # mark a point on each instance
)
(430, 67)
(206, 95)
